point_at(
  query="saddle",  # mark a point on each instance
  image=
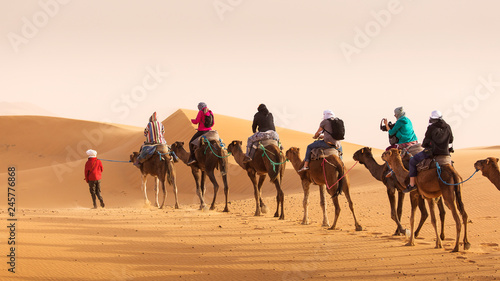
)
(320, 153)
(209, 135)
(428, 163)
(148, 150)
(256, 145)
(413, 150)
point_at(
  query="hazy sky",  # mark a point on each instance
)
(120, 60)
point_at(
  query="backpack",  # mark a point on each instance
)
(338, 128)
(208, 121)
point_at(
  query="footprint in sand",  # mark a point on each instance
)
(489, 244)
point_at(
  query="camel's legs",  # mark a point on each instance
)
(395, 213)
(442, 213)
(306, 186)
(263, 207)
(143, 187)
(157, 191)
(337, 211)
(351, 205)
(174, 183)
(430, 202)
(203, 187)
(256, 193)
(322, 202)
(449, 199)
(280, 198)
(414, 197)
(401, 199)
(162, 181)
(226, 191)
(199, 192)
(421, 206)
(211, 176)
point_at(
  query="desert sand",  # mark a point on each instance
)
(59, 237)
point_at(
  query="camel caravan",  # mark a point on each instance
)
(423, 170)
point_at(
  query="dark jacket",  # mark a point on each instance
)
(263, 119)
(437, 138)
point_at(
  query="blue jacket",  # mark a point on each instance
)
(403, 129)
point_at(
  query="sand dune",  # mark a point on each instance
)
(60, 238)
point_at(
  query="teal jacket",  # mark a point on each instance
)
(403, 129)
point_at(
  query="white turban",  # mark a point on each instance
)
(91, 153)
(436, 114)
(327, 114)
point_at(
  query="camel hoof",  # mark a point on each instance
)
(276, 215)
(466, 246)
(332, 228)
(325, 225)
(455, 250)
(212, 208)
(410, 244)
(226, 210)
(438, 246)
(359, 228)
(305, 222)
(263, 209)
(257, 214)
(282, 218)
(442, 237)
(176, 206)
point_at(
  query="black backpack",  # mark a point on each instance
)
(208, 121)
(338, 128)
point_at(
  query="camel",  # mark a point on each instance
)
(489, 169)
(207, 160)
(261, 166)
(365, 157)
(333, 170)
(160, 167)
(430, 186)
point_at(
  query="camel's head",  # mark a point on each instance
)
(391, 154)
(293, 152)
(233, 145)
(177, 145)
(361, 154)
(134, 156)
(486, 164)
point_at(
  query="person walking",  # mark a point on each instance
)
(93, 174)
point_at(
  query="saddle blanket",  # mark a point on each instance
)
(320, 153)
(147, 150)
(256, 145)
(210, 135)
(426, 164)
(414, 149)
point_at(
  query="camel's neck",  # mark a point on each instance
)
(494, 176)
(375, 169)
(182, 154)
(296, 162)
(400, 171)
(239, 156)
